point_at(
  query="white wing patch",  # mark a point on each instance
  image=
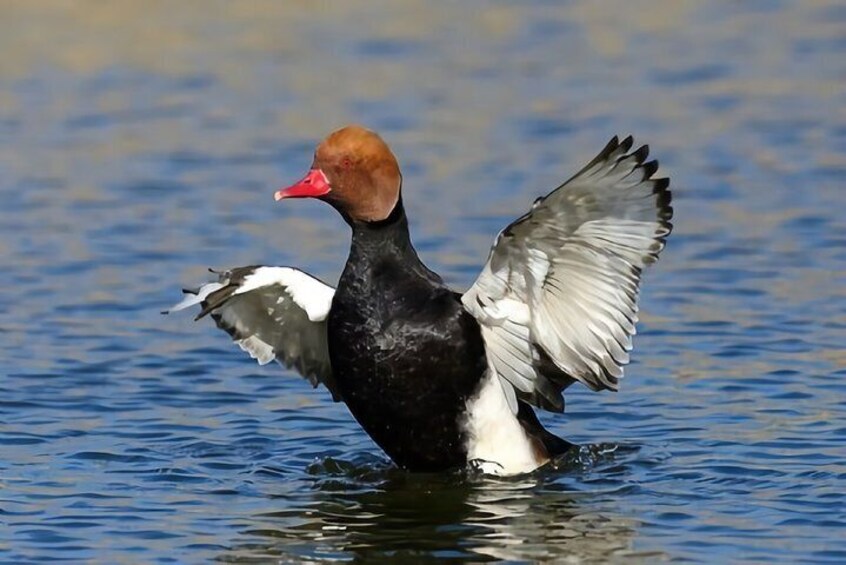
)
(309, 293)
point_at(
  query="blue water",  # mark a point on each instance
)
(141, 142)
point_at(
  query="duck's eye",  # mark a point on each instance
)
(346, 163)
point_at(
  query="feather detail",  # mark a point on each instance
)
(557, 299)
(272, 313)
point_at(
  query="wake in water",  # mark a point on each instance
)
(367, 468)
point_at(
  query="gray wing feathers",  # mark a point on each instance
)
(256, 306)
(557, 299)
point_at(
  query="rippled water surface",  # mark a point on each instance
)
(141, 142)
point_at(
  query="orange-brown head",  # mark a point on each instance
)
(355, 171)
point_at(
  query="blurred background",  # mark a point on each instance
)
(141, 142)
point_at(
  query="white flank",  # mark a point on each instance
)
(497, 443)
(192, 299)
(309, 293)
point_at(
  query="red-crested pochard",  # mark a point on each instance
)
(441, 379)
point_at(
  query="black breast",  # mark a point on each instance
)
(404, 352)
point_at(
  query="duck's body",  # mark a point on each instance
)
(401, 343)
(440, 380)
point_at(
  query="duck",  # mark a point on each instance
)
(440, 379)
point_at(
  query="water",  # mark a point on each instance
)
(141, 143)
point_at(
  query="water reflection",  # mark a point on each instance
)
(371, 511)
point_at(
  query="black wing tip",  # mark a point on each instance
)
(661, 190)
(599, 386)
(661, 185)
(606, 152)
(649, 168)
(612, 384)
(640, 154)
(663, 201)
(664, 196)
(612, 148)
(612, 144)
(622, 150)
(603, 379)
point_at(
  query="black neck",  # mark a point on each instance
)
(383, 237)
(386, 239)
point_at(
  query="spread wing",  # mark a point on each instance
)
(272, 313)
(557, 299)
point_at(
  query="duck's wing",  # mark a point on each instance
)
(272, 313)
(557, 299)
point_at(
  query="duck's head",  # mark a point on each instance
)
(355, 171)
